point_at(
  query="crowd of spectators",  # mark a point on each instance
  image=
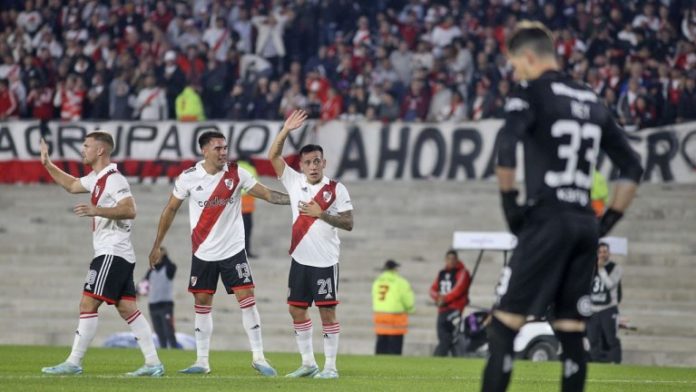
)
(388, 60)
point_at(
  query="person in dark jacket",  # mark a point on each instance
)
(158, 286)
(450, 291)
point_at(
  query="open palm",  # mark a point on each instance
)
(295, 120)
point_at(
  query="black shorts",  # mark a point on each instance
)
(552, 265)
(312, 284)
(235, 273)
(110, 279)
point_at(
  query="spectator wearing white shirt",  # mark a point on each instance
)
(29, 19)
(444, 34)
(151, 102)
(217, 36)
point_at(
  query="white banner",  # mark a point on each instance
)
(364, 150)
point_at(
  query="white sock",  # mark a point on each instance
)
(331, 334)
(204, 330)
(303, 335)
(86, 329)
(252, 325)
(143, 334)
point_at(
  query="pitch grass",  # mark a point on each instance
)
(20, 370)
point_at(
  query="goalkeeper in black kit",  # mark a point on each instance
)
(562, 125)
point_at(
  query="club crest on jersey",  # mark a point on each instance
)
(327, 196)
(229, 183)
(194, 279)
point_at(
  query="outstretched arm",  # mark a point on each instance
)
(261, 191)
(165, 222)
(68, 182)
(293, 122)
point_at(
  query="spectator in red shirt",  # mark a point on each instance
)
(416, 102)
(332, 107)
(162, 15)
(9, 107)
(450, 291)
(40, 101)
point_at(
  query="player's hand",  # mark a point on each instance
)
(85, 209)
(155, 256)
(514, 213)
(608, 221)
(44, 152)
(295, 120)
(312, 209)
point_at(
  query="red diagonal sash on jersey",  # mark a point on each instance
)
(211, 213)
(325, 197)
(99, 190)
(220, 41)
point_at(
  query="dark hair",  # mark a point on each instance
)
(452, 252)
(102, 136)
(531, 35)
(602, 243)
(311, 148)
(205, 137)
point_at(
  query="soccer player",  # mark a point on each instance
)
(214, 188)
(110, 276)
(562, 125)
(319, 206)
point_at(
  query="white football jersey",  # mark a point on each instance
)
(320, 245)
(110, 236)
(214, 236)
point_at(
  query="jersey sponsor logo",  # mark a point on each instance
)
(573, 195)
(194, 280)
(215, 202)
(580, 95)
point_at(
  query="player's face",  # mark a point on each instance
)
(603, 254)
(312, 165)
(215, 152)
(90, 151)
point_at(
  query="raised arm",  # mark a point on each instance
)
(275, 153)
(261, 191)
(68, 182)
(165, 222)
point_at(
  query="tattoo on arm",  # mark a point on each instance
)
(344, 220)
(279, 198)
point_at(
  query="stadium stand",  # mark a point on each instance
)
(259, 59)
(43, 268)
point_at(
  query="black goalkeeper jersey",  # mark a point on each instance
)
(562, 125)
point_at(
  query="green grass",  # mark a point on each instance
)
(20, 370)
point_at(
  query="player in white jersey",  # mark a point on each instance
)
(110, 277)
(319, 206)
(214, 188)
